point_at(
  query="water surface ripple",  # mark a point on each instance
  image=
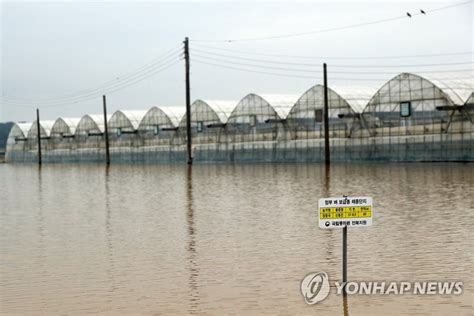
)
(224, 239)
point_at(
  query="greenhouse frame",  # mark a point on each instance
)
(409, 118)
(208, 118)
(259, 118)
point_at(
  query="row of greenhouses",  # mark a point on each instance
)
(407, 105)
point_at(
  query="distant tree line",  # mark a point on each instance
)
(4, 131)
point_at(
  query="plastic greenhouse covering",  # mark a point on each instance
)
(406, 105)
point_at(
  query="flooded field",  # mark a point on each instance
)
(225, 239)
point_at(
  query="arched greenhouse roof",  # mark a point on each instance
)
(281, 103)
(65, 126)
(126, 119)
(457, 89)
(166, 116)
(45, 129)
(210, 111)
(91, 123)
(313, 99)
(19, 130)
(410, 87)
(223, 108)
(175, 113)
(356, 97)
(268, 106)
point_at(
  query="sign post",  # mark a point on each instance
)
(344, 259)
(343, 212)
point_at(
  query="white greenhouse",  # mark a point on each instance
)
(409, 118)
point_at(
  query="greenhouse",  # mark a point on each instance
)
(90, 132)
(159, 126)
(259, 118)
(62, 133)
(45, 129)
(90, 125)
(65, 127)
(17, 141)
(45, 132)
(207, 121)
(409, 118)
(305, 120)
(123, 128)
(409, 104)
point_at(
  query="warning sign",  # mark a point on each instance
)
(345, 211)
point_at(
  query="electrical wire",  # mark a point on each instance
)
(93, 95)
(332, 57)
(281, 36)
(155, 64)
(303, 76)
(331, 65)
(111, 83)
(281, 74)
(313, 70)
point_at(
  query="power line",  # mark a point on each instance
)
(154, 64)
(256, 71)
(132, 75)
(313, 70)
(329, 29)
(292, 75)
(93, 95)
(333, 57)
(281, 74)
(332, 65)
(253, 65)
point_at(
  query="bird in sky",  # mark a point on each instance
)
(421, 10)
(409, 15)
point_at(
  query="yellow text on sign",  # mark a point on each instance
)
(345, 212)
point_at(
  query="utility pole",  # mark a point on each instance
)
(327, 154)
(38, 131)
(106, 132)
(188, 103)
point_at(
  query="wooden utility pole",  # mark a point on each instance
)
(188, 104)
(106, 132)
(38, 131)
(327, 154)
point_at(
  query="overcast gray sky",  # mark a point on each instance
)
(51, 50)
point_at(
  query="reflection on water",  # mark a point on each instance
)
(227, 239)
(345, 306)
(192, 255)
(109, 234)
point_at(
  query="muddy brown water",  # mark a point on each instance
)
(224, 239)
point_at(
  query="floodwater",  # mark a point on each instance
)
(224, 239)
